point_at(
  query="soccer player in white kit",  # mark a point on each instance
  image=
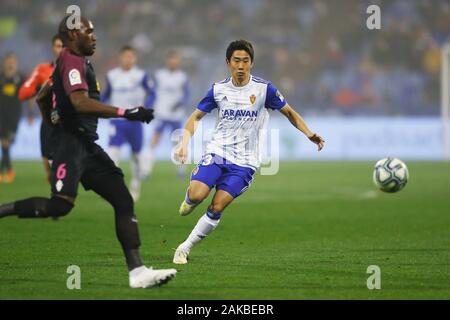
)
(232, 155)
(128, 86)
(171, 98)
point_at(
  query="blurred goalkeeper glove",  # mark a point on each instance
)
(137, 114)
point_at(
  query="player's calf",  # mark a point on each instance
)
(37, 207)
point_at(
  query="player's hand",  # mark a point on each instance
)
(181, 153)
(139, 114)
(317, 140)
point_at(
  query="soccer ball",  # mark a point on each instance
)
(390, 175)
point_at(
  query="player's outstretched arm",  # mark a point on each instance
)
(298, 122)
(189, 130)
(83, 104)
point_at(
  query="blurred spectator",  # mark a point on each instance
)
(315, 50)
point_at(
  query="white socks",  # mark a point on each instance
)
(204, 226)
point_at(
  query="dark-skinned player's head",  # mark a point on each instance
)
(80, 39)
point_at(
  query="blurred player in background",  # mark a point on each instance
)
(232, 155)
(40, 75)
(128, 86)
(172, 96)
(10, 112)
(77, 158)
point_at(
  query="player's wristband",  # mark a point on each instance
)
(121, 112)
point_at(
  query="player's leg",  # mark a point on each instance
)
(38, 207)
(135, 138)
(6, 166)
(66, 172)
(11, 129)
(104, 178)
(181, 168)
(205, 225)
(116, 139)
(203, 179)
(5, 155)
(148, 157)
(234, 181)
(46, 147)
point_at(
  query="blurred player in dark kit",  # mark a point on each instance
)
(75, 96)
(38, 78)
(10, 112)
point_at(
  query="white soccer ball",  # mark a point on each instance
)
(390, 175)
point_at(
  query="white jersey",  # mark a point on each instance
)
(242, 114)
(171, 89)
(126, 88)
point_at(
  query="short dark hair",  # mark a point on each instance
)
(240, 45)
(56, 37)
(63, 30)
(127, 48)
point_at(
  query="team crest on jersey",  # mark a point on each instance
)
(252, 98)
(194, 171)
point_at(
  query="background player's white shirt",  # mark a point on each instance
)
(126, 88)
(171, 94)
(242, 114)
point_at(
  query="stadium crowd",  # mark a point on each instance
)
(320, 53)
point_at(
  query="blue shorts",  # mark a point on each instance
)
(171, 125)
(122, 131)
(215, 171)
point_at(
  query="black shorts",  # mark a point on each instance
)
(49, 139)
(77, 161)
(9, 121)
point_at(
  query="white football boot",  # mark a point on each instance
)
(181, 255)
(148, 277)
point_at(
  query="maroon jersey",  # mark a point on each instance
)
(73, 73)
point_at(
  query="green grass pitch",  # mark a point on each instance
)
(309, 232)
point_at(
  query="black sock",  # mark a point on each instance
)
(35, 207)
(7, 210)
(133, 258)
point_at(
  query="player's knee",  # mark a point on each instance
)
(58, 207)
(216, 206)
(197, 196)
